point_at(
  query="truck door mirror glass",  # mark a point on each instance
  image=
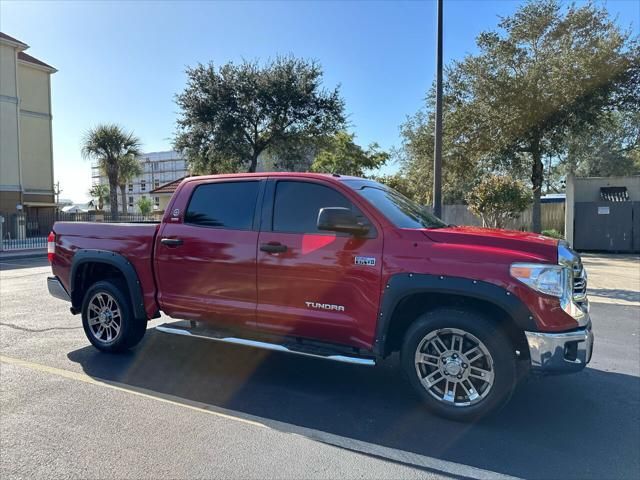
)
(340, 219)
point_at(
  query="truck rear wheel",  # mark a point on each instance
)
(462, 365)
(107, 318)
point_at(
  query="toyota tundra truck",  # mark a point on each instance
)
(338, 268)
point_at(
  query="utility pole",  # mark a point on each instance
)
(437, 150)
(57, 191)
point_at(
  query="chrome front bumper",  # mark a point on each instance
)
(56, 289)
(560, 352)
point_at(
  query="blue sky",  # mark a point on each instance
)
(123, 61)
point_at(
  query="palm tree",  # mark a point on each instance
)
(101, 193)
(129, 169)
(109, 144)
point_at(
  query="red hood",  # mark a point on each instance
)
(508, 239)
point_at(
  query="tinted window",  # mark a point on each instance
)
(297, 205)
(224, 205)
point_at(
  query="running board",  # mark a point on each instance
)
(181, 328)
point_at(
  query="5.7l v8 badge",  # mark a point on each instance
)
(369, 261)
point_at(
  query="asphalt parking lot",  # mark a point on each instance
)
(186, 408)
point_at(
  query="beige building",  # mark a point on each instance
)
(26, 153)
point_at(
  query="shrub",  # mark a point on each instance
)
(553, 233)
(145, 205)
(496, 199)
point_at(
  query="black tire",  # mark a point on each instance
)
(131, 329)
(502, 357)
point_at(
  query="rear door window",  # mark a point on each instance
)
(228, 205)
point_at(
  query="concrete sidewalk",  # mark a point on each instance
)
(613, 278)
(23, 253)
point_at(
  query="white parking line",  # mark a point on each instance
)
(385, 453)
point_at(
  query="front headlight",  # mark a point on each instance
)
(548, 279)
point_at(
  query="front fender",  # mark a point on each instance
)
(403, 285)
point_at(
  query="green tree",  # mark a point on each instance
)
(110, 145)
(100, 192)
(496, 199)
(415, 157)
(145, 205)
(129, 169)
(609, 147)
(232, 114)
(547, 74)
(398, 182)
(341, 155)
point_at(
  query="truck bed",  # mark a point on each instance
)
(134, 241)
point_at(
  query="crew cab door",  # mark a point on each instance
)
(205, 256)
(316, 284)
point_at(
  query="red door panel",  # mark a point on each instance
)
(211, 276)
(314, 288)
(321, 270)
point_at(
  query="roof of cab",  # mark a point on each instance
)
(323, 176)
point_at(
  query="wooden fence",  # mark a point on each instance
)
(552, 217)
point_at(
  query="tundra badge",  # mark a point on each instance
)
(325, 306)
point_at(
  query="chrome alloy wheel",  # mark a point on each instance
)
(454, 366)
(104, 317)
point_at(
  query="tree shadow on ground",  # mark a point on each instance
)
(614, 293)
(584, 425)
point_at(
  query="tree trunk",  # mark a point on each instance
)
(537, 177)
(123, 197)
(113, 199)
(254, 162)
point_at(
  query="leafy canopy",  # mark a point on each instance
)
(232, 114)
(546, 75)
(341, 155)
(609, 147)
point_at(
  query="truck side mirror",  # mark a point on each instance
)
(340, 219)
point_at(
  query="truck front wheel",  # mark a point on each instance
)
(107, 318)
(462, 365)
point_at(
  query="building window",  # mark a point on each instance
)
(131, 201)
(131, 188)
(156, 201)
(156, 183)
(143, 185)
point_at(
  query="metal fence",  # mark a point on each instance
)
(28, 230)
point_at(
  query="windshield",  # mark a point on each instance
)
(401, 211)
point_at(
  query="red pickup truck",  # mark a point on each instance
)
(339, 268)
